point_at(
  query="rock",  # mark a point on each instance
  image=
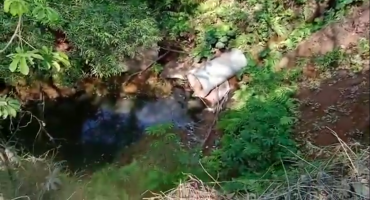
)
(143, 59)
(174, 70)
(178, 70)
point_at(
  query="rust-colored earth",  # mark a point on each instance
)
(340, 105)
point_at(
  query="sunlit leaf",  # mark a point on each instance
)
(12, 112)
(23, 67)
(15, 7)
(14, 64)
(4, 113)
(8, 107)
(14, 104)
(56, 66)
(7, 4)
(37, 56)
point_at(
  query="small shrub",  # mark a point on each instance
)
(257, 131)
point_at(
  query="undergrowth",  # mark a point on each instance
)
(257, 132)
(336, 173)
(158, 166)
(161, 163)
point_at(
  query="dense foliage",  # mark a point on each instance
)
(102, 33)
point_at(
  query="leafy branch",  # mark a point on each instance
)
(43, 57)
(9, 107)
(20, 59)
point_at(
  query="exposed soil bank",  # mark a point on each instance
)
(340, 103)
(339, 34)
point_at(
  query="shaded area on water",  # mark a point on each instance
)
(82, 129)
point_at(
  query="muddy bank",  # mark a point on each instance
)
(121, 86)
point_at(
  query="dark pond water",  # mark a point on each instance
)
(93, 129)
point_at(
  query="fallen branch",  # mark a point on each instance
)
(173, 50)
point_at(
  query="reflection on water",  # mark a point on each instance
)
(162, 111)
(119, 124)
(105, 134)
(106, 127)
(82, 128)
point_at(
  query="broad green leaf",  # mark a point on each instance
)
(13, 66)
(11, 111)
(16, 7)
(37, 56)
(65, 62)
(7, 5)
(10, 55)
(44, 48)
(23, 67)
(4, 113)
(56, 66)
(30, 60)
(62, 57)
(52, 14)
(19, 50)
(38, 13)
(220, 45)
(47, 65)
(14, 104)
(3, 103)
(223, 39)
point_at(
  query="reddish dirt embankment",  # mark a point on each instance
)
(340, 104)
(341, 34)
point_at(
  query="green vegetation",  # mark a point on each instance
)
(257, 152)
(263, 120)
